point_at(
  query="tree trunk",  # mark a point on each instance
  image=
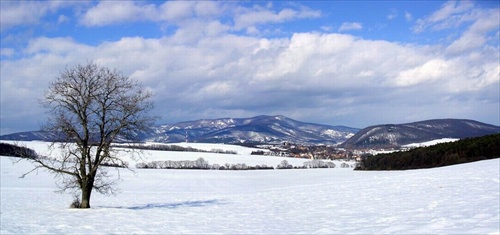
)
(85, 202)
(86, 192)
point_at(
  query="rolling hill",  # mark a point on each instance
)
(396, 135)
(259, 129)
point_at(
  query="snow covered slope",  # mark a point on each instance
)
(430, 143)
(243, 154)
(460, 199)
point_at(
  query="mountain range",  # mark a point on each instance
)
(279, 129)
(396, 135)
(259, 129)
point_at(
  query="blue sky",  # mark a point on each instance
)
(353, 63)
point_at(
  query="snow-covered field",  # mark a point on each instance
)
(430, 143)
(453, 200)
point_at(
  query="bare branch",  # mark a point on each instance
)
(91, 107)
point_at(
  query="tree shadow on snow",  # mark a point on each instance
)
(172, 205)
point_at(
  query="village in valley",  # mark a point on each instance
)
(313, 152)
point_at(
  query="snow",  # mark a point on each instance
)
(173, 128)
(332, 133)
(210, 146)
(462, 199)
(429, 143)
(349, 135)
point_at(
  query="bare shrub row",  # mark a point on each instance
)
(202, 164)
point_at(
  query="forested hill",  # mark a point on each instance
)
(462, 151)
(396, 135)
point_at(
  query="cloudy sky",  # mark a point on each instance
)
(352, 63)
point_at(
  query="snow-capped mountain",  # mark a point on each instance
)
(396, 135)
(260, 129)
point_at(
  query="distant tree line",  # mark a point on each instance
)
(164, 147)
(16, 151)
(198, 164)
(307, 165)
(444, 154)
(318, 164)
(258, 152)
(202, 164)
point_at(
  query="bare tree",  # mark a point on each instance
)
(90, 108)
(285, 165)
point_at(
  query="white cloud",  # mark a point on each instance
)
(347, 26)
(14, 13)
(206, 70)
(314, 65)
(408, 16)
(174, 11)
(7, 52)
(185, 12)
(432, 70)
(326, 28)
(111, 12)
(476, 35)
(450, 15)
(171, 12)
(56, 46)
(474, 31)
(393, 14)
(62, 19)
(229, 75)
(248, 17)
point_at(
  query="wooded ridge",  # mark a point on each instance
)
(462, 151)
